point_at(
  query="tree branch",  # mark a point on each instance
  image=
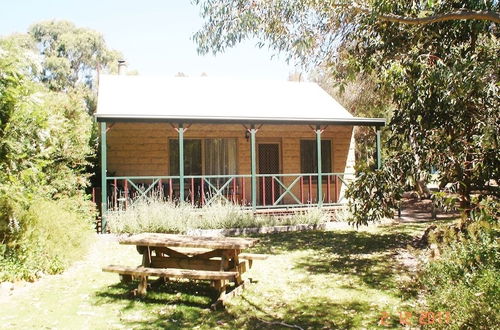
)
(458, 15)
(485, 15)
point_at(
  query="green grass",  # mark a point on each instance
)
(332, 279)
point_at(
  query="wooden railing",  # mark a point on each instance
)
(272, 190)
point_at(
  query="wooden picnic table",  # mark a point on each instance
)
(218, 259)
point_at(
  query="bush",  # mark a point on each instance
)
(465, 281)
(45, 238)
(166, 217)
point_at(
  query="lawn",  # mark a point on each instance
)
(344, 278)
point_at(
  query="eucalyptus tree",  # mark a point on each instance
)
(71, 55)
(438, 60)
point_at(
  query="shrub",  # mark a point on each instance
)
(465, 281)
(45, 238)
(166, 217)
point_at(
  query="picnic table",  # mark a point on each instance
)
(218, 259)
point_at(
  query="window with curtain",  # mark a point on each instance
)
(220, 156)
(309, 158)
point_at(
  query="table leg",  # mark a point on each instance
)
(220, 286)
(237, 267)
(224, 260)
(143, 285)
(146, 257)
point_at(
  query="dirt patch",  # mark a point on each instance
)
(417, 210)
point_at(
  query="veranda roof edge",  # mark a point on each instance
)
(354, 121)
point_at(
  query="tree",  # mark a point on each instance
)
(362, 96)
(312, 31)
(44, 135)
(72, 59)
(444, 80)
(71, 55)
(44, 146)
(442, 74)
(47, 92)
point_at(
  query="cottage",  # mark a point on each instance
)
(261, 144)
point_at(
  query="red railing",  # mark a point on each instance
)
(273, 190)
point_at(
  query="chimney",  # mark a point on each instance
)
(122, 65)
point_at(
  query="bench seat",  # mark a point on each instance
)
(171, 272)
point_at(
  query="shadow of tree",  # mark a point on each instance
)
(309, 313)
(368, 257)
(344, 242)
(312, 314)
(193, 294)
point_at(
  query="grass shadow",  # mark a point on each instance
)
(192, 294)
(365, 256)
(316, 314)
(341, 242)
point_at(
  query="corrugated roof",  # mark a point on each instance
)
(204, 99)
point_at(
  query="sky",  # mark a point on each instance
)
(154, 36)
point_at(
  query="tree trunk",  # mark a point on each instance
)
(422, 189)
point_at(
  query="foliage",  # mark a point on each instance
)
(373, 196)
(45, 238)
(465, 281)
(483, 218)
(71, 55)
(44, 136)
(443, 77)
(44, 147)
(167, 217)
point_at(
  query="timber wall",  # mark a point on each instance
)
(141, 149)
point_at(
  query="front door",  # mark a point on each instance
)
(269, 163)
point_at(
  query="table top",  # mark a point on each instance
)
(171, 240)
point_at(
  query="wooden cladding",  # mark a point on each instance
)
(140, 149)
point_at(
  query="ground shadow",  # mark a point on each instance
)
(365, 256)
(308, 313)
(340, 242)
(193, 294)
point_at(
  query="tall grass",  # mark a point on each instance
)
(161, 216)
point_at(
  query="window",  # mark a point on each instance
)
(192, 157)
(309, 158)
(219, 156)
